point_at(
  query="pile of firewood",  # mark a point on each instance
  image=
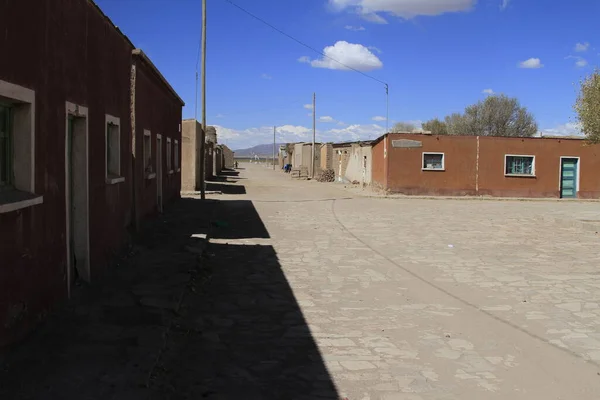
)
(327, 175)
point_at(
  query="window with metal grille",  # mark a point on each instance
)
(6, 153)
(433, 161)
(520, 165)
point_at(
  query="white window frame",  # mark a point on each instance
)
(532, 175)
(423, 154)
(169, 151)
(112, 178)
(176, 153)
(147, 157)
(23, 152)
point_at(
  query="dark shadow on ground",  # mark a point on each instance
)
(246, 224)
(103, 343)
(226, 188)
(223, 323)
(244, 336)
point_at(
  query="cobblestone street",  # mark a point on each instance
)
(310, 291)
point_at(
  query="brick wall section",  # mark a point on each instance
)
(547, 152)
(88, 62)
(84, 47)
(191, 136)
(469, 171)
(345, 150)
(228, 161)
(158, 111)
(378, 176)
(327, 156)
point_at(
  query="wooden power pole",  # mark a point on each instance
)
(203, 135)
(312, 170)
(274, 130)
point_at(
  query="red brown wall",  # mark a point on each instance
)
(158, 111)
(378, 177)
(405, 173)
(547, 152)
(64, 50)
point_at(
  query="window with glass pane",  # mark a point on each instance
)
(5, 147)
(433, 161)
(519, 165)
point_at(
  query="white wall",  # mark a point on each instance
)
(356, 169)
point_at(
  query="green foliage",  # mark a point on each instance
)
(436, 127)
(402, 127)
(495, 116)
(588, 107)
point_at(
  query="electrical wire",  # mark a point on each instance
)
(302, 43)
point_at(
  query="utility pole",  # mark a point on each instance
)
(387, 108)
(312, 171)
(203, 135)
(274, 130)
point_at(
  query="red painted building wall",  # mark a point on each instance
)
(475, 166)
(158, 110)
(68, 51)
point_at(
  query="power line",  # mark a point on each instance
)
(302, 43)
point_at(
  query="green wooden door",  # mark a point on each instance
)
(568, 178)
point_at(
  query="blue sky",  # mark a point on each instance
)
(437, 56)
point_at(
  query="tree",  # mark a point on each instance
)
(436, 127)
(588, 107)
(402, 127)
(494, 116)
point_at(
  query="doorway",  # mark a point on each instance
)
(159, 174)
(77, 195)
(569, 177)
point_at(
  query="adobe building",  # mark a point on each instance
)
(416, 164)
(75, 170)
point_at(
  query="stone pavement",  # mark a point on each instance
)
(307, 291)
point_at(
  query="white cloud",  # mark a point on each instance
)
(354, 132)
(488, 91)
(326, 118)
(582, 47)
(351, 55)
(341, 123)
(375, 49)
(308, 106)
(580, 62)
(504, 4)
(372, 17)
(532, 63)
(244, 138)
(266, 76)
(378, 118)
(568, 129)
(219, 116)
(355, 28)
(370, 9)
(304, 59)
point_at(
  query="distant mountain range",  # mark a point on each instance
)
(262, 150)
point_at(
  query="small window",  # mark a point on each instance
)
(147, 152)
(520, 165)
(6, 154)
(169, 166)
(113, 148)
(176, 155)
(433, 161)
